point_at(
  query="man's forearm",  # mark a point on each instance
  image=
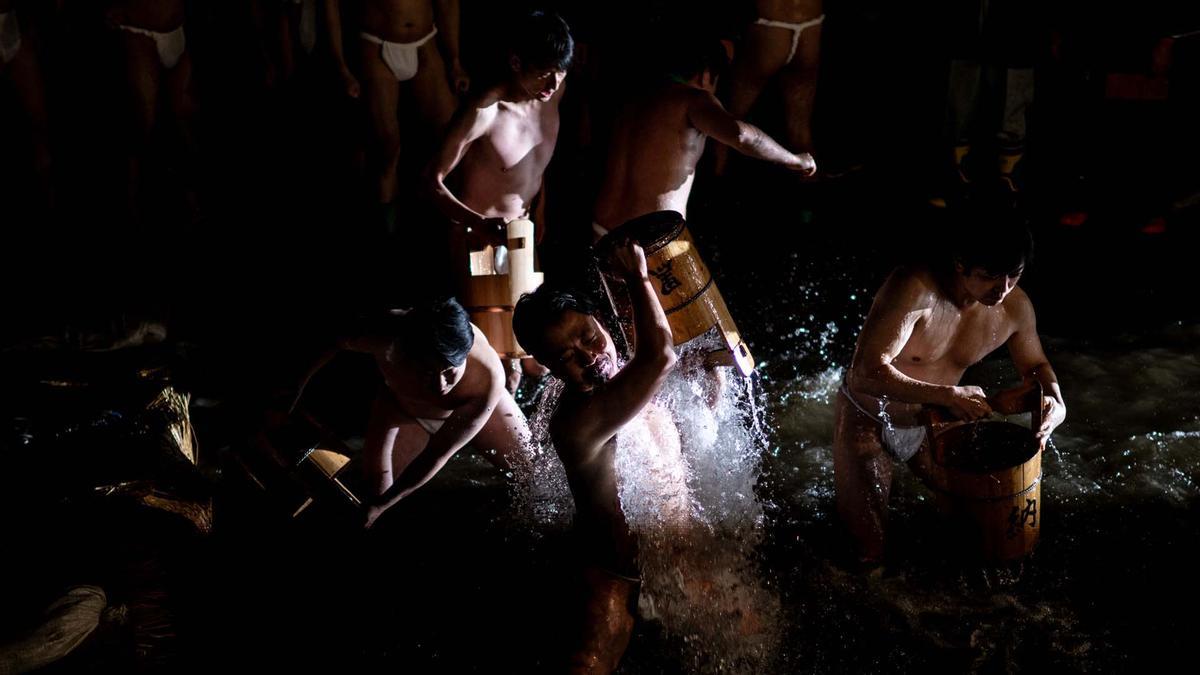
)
(1045, 376)
(650, 322)
(453, 209)
(755, 142)
(424, 467)
(887, 381)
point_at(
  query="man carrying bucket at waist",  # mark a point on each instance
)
(502, 139)
(927, 325)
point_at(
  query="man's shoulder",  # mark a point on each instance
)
(481, 107)
(910, 283)
(483, 373)
(1018, 305)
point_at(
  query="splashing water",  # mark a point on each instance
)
(698, 521)
(542, 499)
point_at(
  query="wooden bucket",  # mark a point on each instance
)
(987, 475)
(686, 289)
(300, 464)
(489, 296)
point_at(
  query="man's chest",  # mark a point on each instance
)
(956, 339)
(520, 139)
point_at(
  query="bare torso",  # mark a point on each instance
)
(652, 158)
(789, 10)
(502, 170)
(592, 474)
(411, 388)
(398, 20)
(946, 340)
(156, 15)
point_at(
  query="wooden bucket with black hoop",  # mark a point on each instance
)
(489, 295)
(987, 476)
(686, 288)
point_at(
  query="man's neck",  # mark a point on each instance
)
(959, 295)
(950, 283)
(512, 93)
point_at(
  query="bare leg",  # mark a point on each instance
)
(393, 440)
(799, 82)
(862, 474)
(607, 623)
(504, 439)
(382, 94)
(142, 77)
(763, 52)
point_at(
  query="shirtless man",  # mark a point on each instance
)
(601, 399)
(444, 389)
(502, 140)
(925, 328)
(19, 64)
(660, 137)
(156, 64)
(397, 47)
(784, 42)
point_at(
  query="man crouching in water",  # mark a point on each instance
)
(925, 328)
(443, 388)
(560, 330)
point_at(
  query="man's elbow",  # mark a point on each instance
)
(665, 358)
(745, 140)
(863, 376)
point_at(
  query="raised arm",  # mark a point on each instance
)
(708, 115)
(1025, 347)
(611, 406)
(898, 307)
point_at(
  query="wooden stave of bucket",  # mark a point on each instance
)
(686, 289)
(490, 298)
(1003, 506)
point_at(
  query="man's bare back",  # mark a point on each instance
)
(658, 140)
(652, 158)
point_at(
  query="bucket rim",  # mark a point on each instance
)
(652, 231)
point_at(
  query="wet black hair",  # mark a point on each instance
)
(542, 41)
(439, 331)
(536, 310)
(993, 238)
